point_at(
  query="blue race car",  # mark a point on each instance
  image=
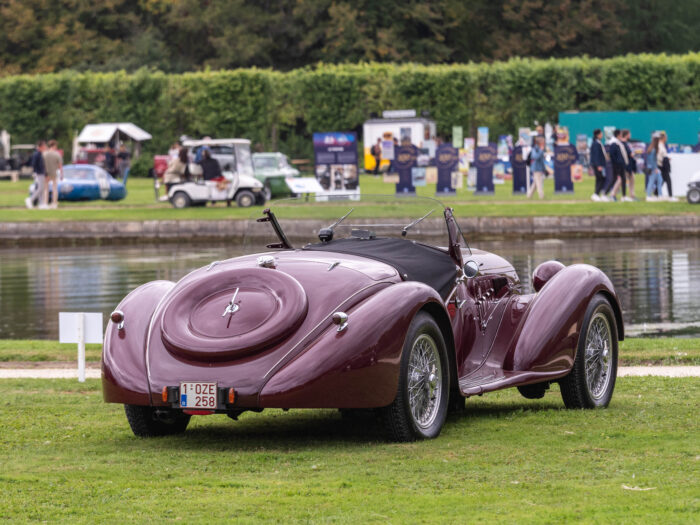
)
(85, 182)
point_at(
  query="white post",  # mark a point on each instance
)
(81, 347)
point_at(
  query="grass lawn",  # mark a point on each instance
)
(140, 205)
(67, 457)
(633, 351)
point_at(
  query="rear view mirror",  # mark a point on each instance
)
(471, 269)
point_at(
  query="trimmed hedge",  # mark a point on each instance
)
(282, 109)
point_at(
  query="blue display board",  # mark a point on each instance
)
(404, 160)
(335, 158)
(484, 159)
(519, 164)
(564, 157)
(446, 160)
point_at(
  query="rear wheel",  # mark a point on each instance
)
(693, 196)
(591, 382)
(148, 422)
(180, 200)
(245, 198)
(420, 406)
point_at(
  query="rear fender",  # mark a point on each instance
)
(549, 332)
(359, 366)
(124, 373)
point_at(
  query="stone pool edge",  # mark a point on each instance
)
(238, 229)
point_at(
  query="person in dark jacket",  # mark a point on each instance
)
(598, 161)
(39, 169)
(618, 157)
(211, 170)
(631, 167)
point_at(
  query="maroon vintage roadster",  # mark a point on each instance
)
(359, 319)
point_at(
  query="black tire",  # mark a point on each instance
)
(399, 421)
(180, 200)
(145, 422)
(693, 196)
(593, 389)
(245, 199)
(535, 391)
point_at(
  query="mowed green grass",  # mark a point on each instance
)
(140, 205)
(67, 457)
(633, 351)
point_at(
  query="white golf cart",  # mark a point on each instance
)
(239, 184)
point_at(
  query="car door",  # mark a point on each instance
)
(483, 302)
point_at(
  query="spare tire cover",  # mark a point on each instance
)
(270, 307)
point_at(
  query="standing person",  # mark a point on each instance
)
(664, 164)
(54, 168)
(537, 168)
(631, 167)
(123, 161)
(599, 158)
(619, 163)
(655, 180)
(39, 170)
(376, 152)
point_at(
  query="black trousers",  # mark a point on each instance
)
(599, 173)
(618, 171)
(666, 175)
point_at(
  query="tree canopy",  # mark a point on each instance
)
(39, 36)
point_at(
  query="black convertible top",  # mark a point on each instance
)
(416, 261)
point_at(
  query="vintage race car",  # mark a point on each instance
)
(85, 182)
(360, 319)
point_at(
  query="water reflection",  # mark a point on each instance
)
(658, 280)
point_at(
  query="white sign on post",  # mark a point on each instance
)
(81, 328)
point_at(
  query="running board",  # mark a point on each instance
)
(488, 380)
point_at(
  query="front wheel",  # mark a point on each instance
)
(693, 196)
(180, 200)
(591, 382)
(147, 422)
(420, 407)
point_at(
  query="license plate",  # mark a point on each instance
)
(197, 395)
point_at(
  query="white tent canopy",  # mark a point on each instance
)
(104, 132)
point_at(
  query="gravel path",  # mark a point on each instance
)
(94, 373)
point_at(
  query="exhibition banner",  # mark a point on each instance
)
(335, 159)
(404, 161)
(565, 156)
(484, 159)
(446, 160)
(519, 165)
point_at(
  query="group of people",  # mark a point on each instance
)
(178, 170)
(624, 167)
(47, 166)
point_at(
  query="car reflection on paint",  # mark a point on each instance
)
(86, 182)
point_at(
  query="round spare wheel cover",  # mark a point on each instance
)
(271, 305)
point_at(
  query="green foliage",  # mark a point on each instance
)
(140, 167)
(282, 110)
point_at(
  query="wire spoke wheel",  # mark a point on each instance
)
(591, 382)
(424, 381)
(598, 355)
(420, 407)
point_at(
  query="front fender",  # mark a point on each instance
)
(124, 373)
(550, 329)
(358, 367)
